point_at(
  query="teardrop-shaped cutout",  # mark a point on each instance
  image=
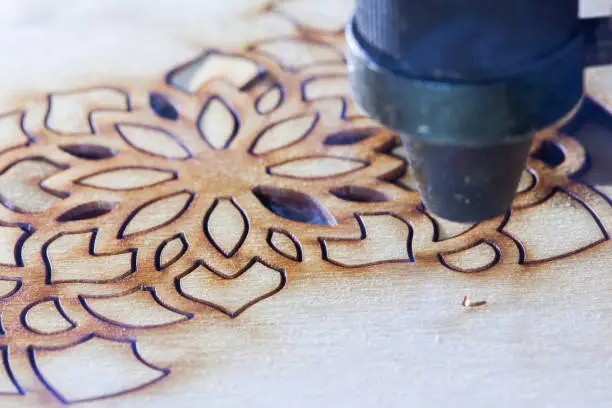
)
(153, 141)
(127, 178)
(294, 206)
(226, 226)
(317, 167)
(217, 123)
(477, 258)
(170, 251)
(269, 100)
(92, 209)
(349, 136)
(161, 105)
(285, 244)
(284, 133)
(46, 316)
(359, 194)
(89, 151)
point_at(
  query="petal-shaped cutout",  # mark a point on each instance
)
(93, 368)
(226, 226)
(475, 259)
(170, 251)
(153, 141)
(12, 238)
(89, 151)
(384, 238)
(359, 194)
(21, 187)
(349, 136)
(60, 252)
(8, 383)
(284, 133)
(285, 244)
(325, 87)
(127, 178)
(93, 209)
(11, 131)
(217, 123)
(294, 54)
(162, 106)
(317, 167)
(8, 287)
(212, 65)
(231, 295)
(46, 316)
(560, 226)
(156, 213)
(294, 206)
(71, 113)
(270, 99)
(138, 308)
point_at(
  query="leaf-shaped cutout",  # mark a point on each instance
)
(8, 287)
(317, 167)
(359, 194)
(60, 252)
(478, 258)
(349, 136)
(89, 151)
(325, 86)
(153, 140)
(162, 106)
(217, 123)
(285, 244)
(46, 316)
(284, 133)
(558, 227)
(170, 251)
(22, 188)
(93, 209)
(93, 368)
(157, 213)
(12, 134)
(71, 113)
(384, 238)
(269, 100)
(213, 65)
(138, 308)
(233, 294)
(226, 226)
(8, 383)
(294, 206)
(127, 178)
(12, 238)
(294, 54)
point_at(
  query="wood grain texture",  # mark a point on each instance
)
(194, 212)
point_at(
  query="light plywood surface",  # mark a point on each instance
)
(194, 213)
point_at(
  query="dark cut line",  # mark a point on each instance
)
(232, 315)
(23, 317)
(522, 249)
(358, 216)
(495, 261)
(293, 238)
(89, 151)
(245, 232)
(4, 355)
(87, 211)
(55, 193)
(83, 300)
(173, 176)
(281, 99)
(307, 133)
(365, 163)
(313, 78)
(92, 252)
(31, 350)
(16, 289)
(163, 106)
(158, 253)
(436, 227)
(28, 230)
(235, 117)
(170, 135)
(30, 139)
(90, 116)
(188, 202)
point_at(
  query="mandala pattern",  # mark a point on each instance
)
(211, 190)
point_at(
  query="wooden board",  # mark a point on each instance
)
(194, 213)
